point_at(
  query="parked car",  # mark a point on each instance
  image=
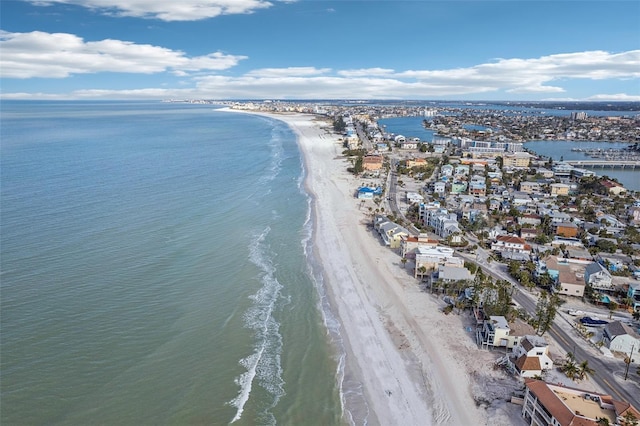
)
(593, 322)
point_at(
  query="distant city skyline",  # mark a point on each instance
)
(315, 49)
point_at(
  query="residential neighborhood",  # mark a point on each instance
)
(560, 233)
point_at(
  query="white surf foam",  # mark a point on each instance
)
(264, 363)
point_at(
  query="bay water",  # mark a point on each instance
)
(412, 126)
(156, 269)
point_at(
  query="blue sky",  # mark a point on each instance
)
(315, 49)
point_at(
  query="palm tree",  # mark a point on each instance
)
(603, 421)
(422, 270)
(569, 369)
(584, 369)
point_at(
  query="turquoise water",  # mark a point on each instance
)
(156, 270)
(410, 127)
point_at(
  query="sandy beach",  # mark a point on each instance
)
(413, 364)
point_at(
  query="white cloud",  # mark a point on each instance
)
(530, 75)
(288, 72)
(58, 55)
(166, 10)
(364, 72)
(40, 54)
(620, 97)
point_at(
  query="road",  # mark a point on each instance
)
(605, 369)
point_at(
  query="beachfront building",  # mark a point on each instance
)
(409, 245)
(619, 337)
(429, 258)
(368, 193)
(562, 170)
(531, 356)
(496, 332)
(548, 404)
(391, 233)
(614, 188)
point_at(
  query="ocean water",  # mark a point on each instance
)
(155, 269)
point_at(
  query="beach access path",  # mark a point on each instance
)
(415, 365)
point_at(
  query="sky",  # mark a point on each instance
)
(314, 49)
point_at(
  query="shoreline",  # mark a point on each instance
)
(415, 366)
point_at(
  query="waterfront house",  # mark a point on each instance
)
(410, 243)
(496, 332)
(562, 170)
(559, 405)
(367, 192)
(531, 356)
(408, 144)
(619, 337)
(430, 258)
(613, 187)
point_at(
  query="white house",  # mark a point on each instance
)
(619, 337)
(414, 197)
(511, 243)
(598, 277)
(439, 187)
(531, 356)
(497, 332)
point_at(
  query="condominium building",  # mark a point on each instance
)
(547, 404)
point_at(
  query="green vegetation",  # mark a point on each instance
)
(339, 125)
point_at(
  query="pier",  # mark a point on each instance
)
(604, 164)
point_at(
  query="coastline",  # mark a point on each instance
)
(414, 365)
